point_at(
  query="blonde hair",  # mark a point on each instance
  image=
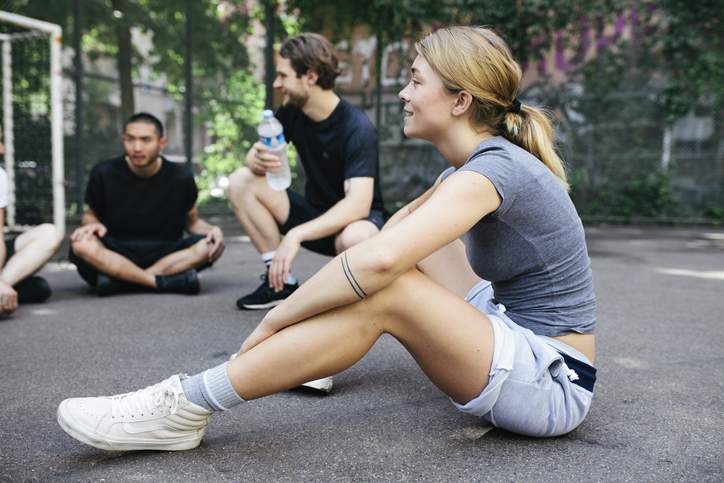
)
(478, 61)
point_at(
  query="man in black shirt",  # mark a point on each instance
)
(337, 145)
(138, 206)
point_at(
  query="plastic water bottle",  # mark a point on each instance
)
(271, 134)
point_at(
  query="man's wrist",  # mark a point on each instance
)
(295, 234)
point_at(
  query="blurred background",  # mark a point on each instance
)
(636, 88)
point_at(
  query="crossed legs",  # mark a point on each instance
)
(93, 252)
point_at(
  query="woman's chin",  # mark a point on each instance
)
(408, 130)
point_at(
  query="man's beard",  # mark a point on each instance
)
(297, 100)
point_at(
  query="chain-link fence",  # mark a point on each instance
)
(624, 162)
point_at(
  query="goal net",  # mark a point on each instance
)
(31, 121)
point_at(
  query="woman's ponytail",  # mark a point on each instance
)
(477, 60)
(531, 129)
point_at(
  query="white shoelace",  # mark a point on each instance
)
(146, 401)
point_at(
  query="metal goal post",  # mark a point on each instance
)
(24, 27)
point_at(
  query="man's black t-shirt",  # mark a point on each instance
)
(135, 208)
(340, 147)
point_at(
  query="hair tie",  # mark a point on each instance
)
(515, 106)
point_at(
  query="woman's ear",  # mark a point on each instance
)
(463, 101)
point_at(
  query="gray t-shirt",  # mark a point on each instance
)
(532, 248)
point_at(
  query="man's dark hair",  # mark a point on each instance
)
(312, 51)
(148, 119)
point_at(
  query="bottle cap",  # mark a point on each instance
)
(268, 113)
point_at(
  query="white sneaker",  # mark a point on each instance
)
(324, 384)
(158, 417)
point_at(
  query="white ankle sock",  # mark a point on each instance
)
(267, 258)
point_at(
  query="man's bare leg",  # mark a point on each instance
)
(177, 262)
(354, 233)
(258, 208)
(93, 252)
(33, 249)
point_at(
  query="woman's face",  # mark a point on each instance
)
(427, 104)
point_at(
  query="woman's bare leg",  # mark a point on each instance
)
(450, 340)
(450, 268)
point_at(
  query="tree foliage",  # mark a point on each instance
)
(226, 97)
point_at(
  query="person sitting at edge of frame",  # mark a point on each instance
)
(22, 256)
(518, 353)
(337, 145)
(138, 206)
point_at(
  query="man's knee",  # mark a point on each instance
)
(241, 184)
(355, 233)
(200, 250)
(86, 249)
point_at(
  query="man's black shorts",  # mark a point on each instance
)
(143, 253)
(300, 211)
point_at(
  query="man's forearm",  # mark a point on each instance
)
(332, 221)
(199, 227)
(88, 218)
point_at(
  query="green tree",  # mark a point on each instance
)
(226, 98)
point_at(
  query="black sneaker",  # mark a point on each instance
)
(264, 297)
(106, 285)
(184, 283)
(32, 290)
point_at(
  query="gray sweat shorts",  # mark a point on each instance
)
(530, 389)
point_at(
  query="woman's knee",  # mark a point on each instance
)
(390, 299)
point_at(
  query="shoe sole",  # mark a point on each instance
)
(322, 385)
(267, 305)
(91, 438)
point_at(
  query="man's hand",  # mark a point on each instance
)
(260, 160)
(8, 299)
(215, 243)
(260, 334)
(87, 231)
(282, 263)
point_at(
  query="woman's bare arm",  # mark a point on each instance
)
(449, 211)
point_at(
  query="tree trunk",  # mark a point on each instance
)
(123, 59)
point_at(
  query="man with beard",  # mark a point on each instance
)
(138, 206)
(337, 145)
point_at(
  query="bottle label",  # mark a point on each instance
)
(273, 142)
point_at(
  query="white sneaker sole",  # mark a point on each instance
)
(267, 305)
(92, 438)
(323, 385)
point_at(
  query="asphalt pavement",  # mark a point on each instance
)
(658, 412)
